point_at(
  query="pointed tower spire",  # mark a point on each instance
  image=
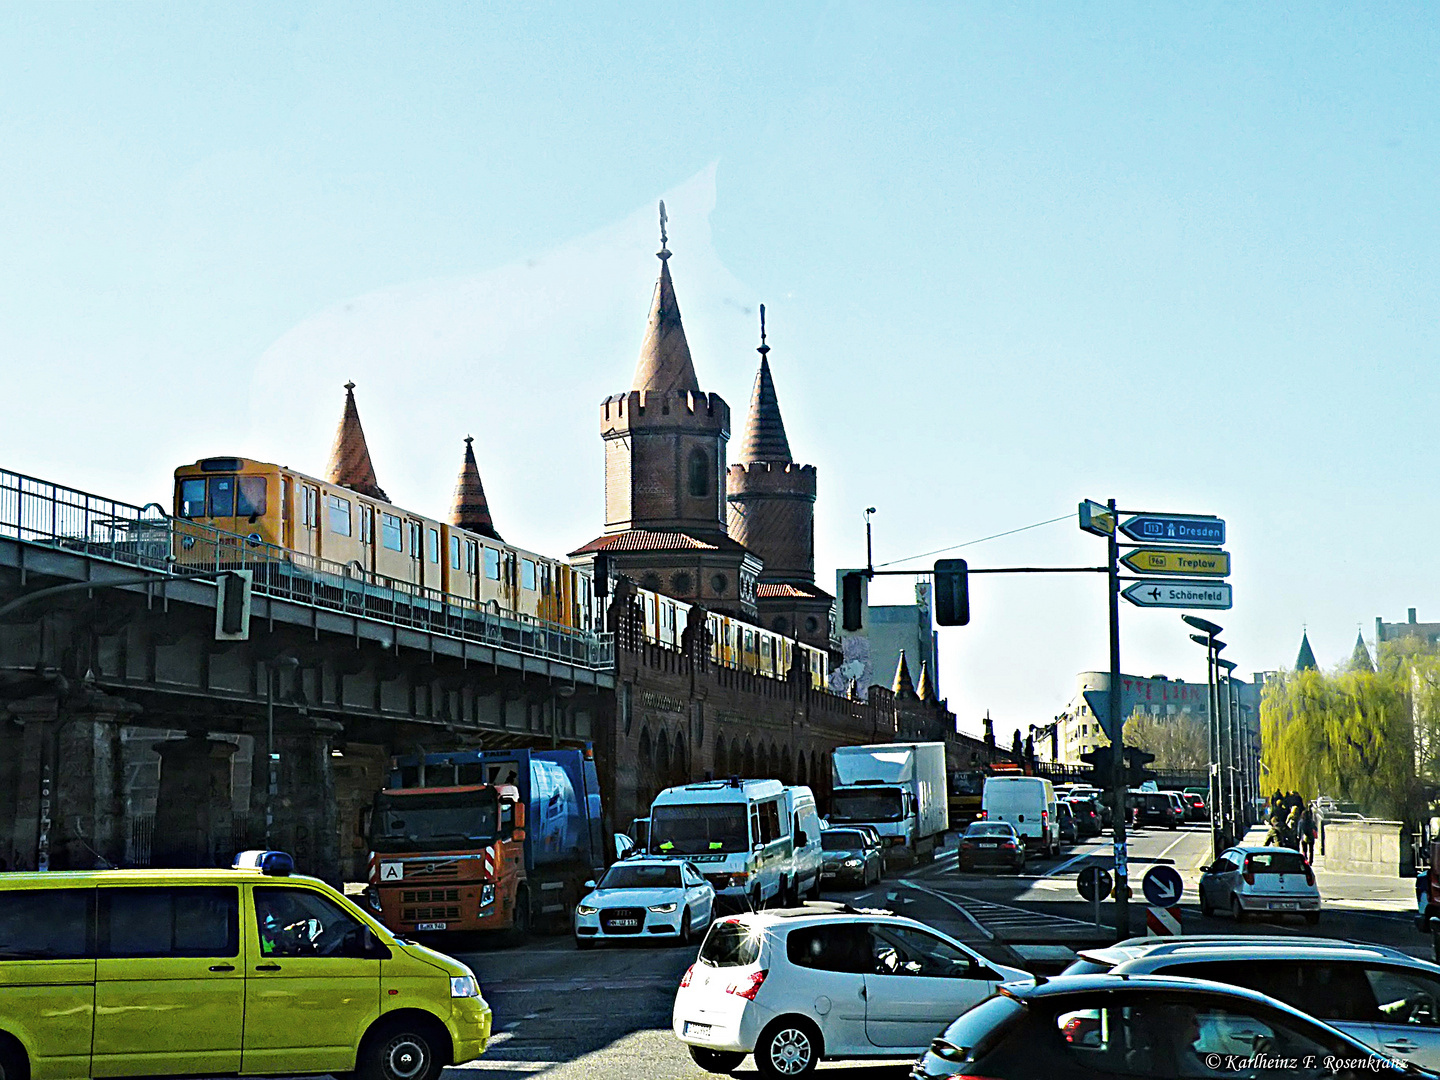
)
(903, 686)
(1306, 660)
(764, 431)
(1360, 658)
(470, 510)
(922, 688)
(665, 363)
(350, 457)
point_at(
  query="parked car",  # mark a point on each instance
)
(797, 986)
(1378, 995)
(1065, 822)
(1145, 1028)
(652, 898)
(850, 857)
(991, 843)
(1087, 816)
(1249, 880)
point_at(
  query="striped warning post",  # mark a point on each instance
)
(1162, 922)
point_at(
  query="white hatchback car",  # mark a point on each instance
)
(1250, 880)
(825, 981)
(649, 898)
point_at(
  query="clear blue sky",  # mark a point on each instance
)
(1014, 256)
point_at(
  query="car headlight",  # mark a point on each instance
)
(585, 909)
(662, 909)
(852, 862)
(464, 986)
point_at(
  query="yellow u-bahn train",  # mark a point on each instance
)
(325, 528)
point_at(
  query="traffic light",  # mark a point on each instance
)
(851, 586)
(1102, 766)
(1135, 771)
(602, 575)
(952, 592)
(232, 605)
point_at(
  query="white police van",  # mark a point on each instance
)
(741, 834)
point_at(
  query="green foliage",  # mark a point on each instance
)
(1179, 743)
(1348, 735)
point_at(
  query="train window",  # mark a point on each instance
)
(312, 507)
(492, 564)
(749, 641)
(367, 524)
(250, 497)
(434, 545)
(527, 574)
(470, 556)
(339, 515)
(222, 496)
(192, 498)
(390, 532)
(454, 553)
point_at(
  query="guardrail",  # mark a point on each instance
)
(146, 537)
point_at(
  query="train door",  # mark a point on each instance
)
(415, 543)
(433, 577)
(366, 532)
(307, 536)
(287, 514)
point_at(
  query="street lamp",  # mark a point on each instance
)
(1219, 811)
(869, 552)
(1231, 774)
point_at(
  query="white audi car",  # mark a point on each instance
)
(645, 898)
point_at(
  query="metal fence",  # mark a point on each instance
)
(39, 512)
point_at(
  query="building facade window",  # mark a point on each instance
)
(699, 473)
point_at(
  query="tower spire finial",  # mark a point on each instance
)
(764, 349)
(664, 252)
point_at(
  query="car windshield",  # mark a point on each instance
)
(996, 829)
(1277, 862)
(699, 829)
(866, 806)
(841, 840)
(642, 876)
(730, 943)
(433, 822)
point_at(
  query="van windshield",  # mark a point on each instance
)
(862, 806)
(452, 821)
(699, 829)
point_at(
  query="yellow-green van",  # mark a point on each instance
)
(248, 971)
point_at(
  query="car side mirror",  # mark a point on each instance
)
(590, 884)
(801, 839)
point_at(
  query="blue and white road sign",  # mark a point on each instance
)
(1163, 886)
(1174, 529)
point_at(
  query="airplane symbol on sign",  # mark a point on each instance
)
(1154, 594)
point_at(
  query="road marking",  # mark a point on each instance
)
(499, 1065)
(942, 897)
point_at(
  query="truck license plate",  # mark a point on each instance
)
(430, 925)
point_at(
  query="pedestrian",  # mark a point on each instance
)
(1276, 836)
(1307, 834)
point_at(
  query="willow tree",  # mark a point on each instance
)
(1349, 735)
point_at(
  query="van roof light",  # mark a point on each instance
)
(269, 863)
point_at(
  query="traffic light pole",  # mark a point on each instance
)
(1117, 761)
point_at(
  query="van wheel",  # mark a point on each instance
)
(13, 1063)
(716, 1061)
(404, 1049)
(788, 1048)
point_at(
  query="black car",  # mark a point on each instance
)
(991, 843)
(1093, 1027)
(849, 857)
(1086, 814)
(1154, 808)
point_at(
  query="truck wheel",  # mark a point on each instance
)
(403, 1049)
(716, 1061)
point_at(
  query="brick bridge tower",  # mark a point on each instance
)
(665, 473)
(772, 512)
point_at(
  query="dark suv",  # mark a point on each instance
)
(1154, 808)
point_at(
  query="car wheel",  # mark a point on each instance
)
(1205, 908)
(404, 1050)
(716, 1061)
(788, 1048)
(1236, 910)
(685, 936)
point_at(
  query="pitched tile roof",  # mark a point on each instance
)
(776, 589)
(653, 540)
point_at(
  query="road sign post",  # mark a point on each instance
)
(1094, 883)
(1117, 761)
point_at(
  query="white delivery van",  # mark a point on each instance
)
(1026, 802)
(806, 852)
(738, 833)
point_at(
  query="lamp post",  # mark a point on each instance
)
(1231, 774)
(1209, 637)
(869, 550)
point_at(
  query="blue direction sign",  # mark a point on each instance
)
(1174, 529)
(1163, 886)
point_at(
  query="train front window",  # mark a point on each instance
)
(250, 497)
(192, 498)
(527, 574)
(222, 496)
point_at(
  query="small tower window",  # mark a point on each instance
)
(699, 473)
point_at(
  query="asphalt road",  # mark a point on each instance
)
(568, 1015)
